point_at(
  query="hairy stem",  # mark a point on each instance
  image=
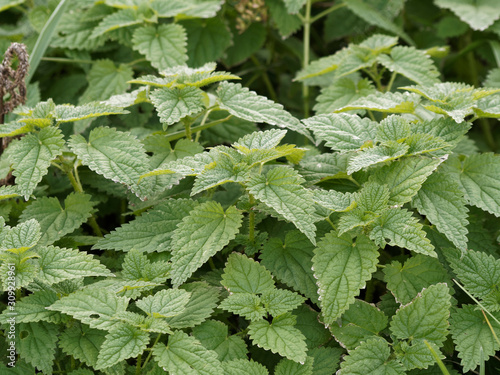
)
(251, 219)
(151, 351)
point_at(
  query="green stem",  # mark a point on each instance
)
(77, 186)
(138, 365)
(151, 351)
(251, 219)
(180, 134)
(187, 127)
(211, 264)
(327, 11)
(331, 223)
(391, 81)
(136, 61)
(370, 113)
(305, 59)
(265, 77)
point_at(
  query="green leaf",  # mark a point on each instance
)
(281, 301)
(384, 152)
(293, 6)
(150, 232)
(245, 275)
(373, 197)
(245, 304)
(31, 156)
(243, 367)
(9, 191)
(191, 8)
(243, 103)
(213, 335)
(290, 262)
(334, 200)
(95, 307)
(359, 323)
(324, 166)
(418, 272)
(75, 34)
(37, 344)
(55, 221)
(163, 45)
(58, 264)
(326, 359)
(201, 305)
(478, 176)
(185, 355)
(32, 309)
(116, 20)
(14, 128)
(342, 268)
(478, 14)
(20, 238)
(245, 44)
(105, 80)
(426, 317)
(401, 229)
(280, 336)
(342, 132)
(388, 102)
(367, 12)
(411, 63)
(479, 273)
(116, 155)
(371, 356)
(473, 338)
(442, 201)
(82, 342)
(286, 24)
(164, 304)
(207, 40)
(200, 235)
(288, 367)
(173, 104)
(341, 93)
(122, 342)
(393, 128)
(405, 177)
(281, 190)
(68, 113)
(6, 4)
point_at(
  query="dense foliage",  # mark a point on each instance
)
(250, 187)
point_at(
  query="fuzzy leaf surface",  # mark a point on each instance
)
(243, 367)
(122, 342)
(401, 229)
(213, 335)
(290, 262)
(478, 14)
(479, 178)
(342, 132)
(371, 356)
(471, 334)
(280, 336)
(201, 234)
(426, 317)
(243, 103)
(281, 190)
(31, 156)
(245, 275)
(418, 272)
(185, 355)
(55, 221)
(173, 104)
(58, 264)
(116, 155)
(442, 201)
(163, 45)
(95, 307)
(342, 268)
(38, 346)
(150, 232)
(411, 63)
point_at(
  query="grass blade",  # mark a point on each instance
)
(45, 37)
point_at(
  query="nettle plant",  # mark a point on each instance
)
(258, 248)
